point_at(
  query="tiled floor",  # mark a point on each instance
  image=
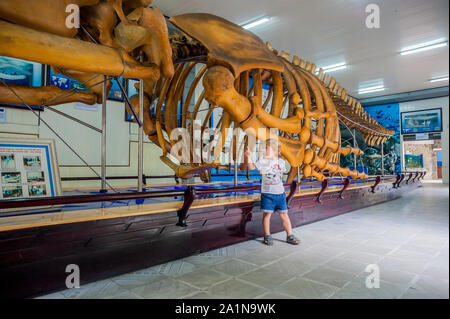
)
(408, 239)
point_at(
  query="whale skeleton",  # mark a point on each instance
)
(212, 62)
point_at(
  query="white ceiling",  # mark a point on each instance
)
(327, 32)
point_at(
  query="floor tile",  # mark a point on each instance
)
(436, 287)
(329, 276)
(96, 290)
(413, 266)
(362, 257)
(203, 278)
(204, 259)
(233, 267)
(312, 257)
(357, 289)
(436, 271)
(168, 288)
(302, 288)
(177, 268)
(272, 275)
(413, 293)
(200, 295)
(56, 295)
(410, 255)
(373, 249)
(273, 295)
(259, 259)
(341, 243)
(346, 265)
(236, 289)
(126, 295)
(138, 278)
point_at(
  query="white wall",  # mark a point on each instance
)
(442, 102)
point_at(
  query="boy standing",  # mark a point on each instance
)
(273, 196)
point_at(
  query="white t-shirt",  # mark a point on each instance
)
(272, 175)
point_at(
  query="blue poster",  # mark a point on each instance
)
(116, 93)
(388, 115)
(64, 82)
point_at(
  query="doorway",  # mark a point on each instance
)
(424, 155)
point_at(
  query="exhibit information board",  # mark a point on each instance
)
(29, 168)
(423, 121)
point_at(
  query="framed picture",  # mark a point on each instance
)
(29, 168)
(35, 177)
(22, 72)
(11, 178)
(37, 190)
(32, 161)
(64, 82)
(11, 192)
(115, 94)
(423, 121)
(8, 161)
(413, 161)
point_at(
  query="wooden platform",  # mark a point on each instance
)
(35, 249)
(57, 218)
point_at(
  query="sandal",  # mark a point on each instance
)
(268, 240)
(292, 240)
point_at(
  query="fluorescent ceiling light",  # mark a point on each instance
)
(444, 78)
(336, 68)
(333, 67)
(424, 46)
(255, 23)
(371, 89)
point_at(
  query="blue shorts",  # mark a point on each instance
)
(273, 202)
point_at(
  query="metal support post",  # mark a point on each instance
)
(103, 164)
(141, 137)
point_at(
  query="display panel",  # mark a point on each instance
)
(29, 169)
(423, 121)
(21, 72)
(65, 82)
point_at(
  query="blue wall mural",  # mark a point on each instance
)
(388, 115)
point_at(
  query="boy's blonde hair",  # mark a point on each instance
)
(272, 143)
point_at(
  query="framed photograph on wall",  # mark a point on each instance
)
(115, 94)
(22, 72)
(29, 168)
(64, 82)
(423, 121)
(413, 161)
